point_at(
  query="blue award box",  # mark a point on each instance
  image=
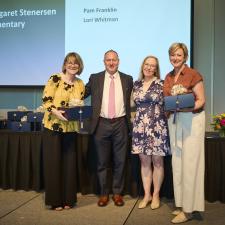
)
(16, 115)
(179, 102)
(35, 117)
(80, 114)
(77, 112)
(19, 126)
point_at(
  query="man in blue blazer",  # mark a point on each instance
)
(110, 130)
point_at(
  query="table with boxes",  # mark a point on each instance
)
(24, 121)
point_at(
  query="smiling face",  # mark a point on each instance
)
(71, 66)
(149, 67)
(111, 62)
(177, 58)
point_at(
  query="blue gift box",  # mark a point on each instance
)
(35, 117)
(80, 114)
(19, 126)
(179, 102)
(16, 115)
(77, 112)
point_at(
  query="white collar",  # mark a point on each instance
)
(115, 75)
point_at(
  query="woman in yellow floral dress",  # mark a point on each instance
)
(59, 151)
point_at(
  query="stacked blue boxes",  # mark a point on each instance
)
(33, 123)
(14, 121)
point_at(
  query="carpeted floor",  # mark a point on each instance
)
(27, 208)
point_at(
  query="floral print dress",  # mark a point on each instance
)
(150, 130)
(57, 94)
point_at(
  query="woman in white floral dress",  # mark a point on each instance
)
(150, 132)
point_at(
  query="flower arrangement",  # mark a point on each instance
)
(178, 89)
(218, 123)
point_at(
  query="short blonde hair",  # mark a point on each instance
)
(77, 60)
(176, 46)
(157, 72)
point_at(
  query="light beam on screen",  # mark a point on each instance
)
(134, 29)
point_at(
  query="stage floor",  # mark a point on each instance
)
(27, 208)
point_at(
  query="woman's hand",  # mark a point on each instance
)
(59, 114)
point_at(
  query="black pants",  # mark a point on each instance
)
(111, 141)
(59, 168)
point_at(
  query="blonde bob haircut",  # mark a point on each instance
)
(157, 71)
(75, 57)
(176, 46)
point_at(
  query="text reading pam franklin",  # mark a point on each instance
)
(96, 18)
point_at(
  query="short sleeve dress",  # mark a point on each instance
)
(150, 131)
